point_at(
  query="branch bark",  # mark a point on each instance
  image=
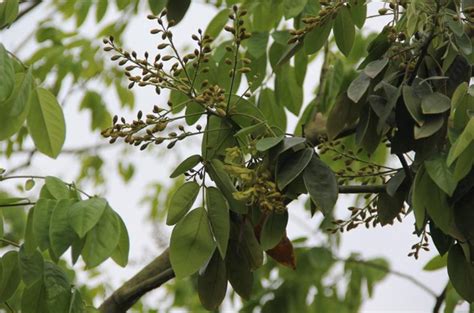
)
(152, 276)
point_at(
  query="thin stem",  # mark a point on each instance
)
(363, 189)
(16, 204)
(9, 242)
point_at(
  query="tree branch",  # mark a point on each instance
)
(152, 276)
(440, 300)
(363, 189)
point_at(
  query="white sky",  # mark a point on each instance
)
(391, 242)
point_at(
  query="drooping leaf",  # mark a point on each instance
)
(57, 287)
(57, 188)
(273, 230)
(31, 266)
(84, 215)
(321, 184)
(46, 122)
(413, 104)
(61, 234)
(441, 174)
(292, 166)
(461, 273)
(315, 39)
(120, 254)
(182, 201)
(358, 9)
(283, 253)
(344, 31)
(218, 213)
(462, 143)
(429, 127)
(435, 103)
(77, 304)
(41, 221)
(11, 276)
(177, 9)
(238, 271)
(388, 207)
(212, 284)
(267, 143)
(358, 87)
(191, 243)
(102, 239)
(216, 25)
(374, 68)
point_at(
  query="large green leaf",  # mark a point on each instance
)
(8, 12)
(102, 239)
(267, 143)
(288, 93)
(358, 9)
(177, 9)
(216, 25)
(120, 254)
(84, 215)
(462, 143)
(344, 31)
(212, 284)
(14, 109)
(238, 271)
(8, 74)
(358, 87)
(31, 266)
(186, 165)
(291, 166)
(156, 6)
(33, 299)
(11, 276)
(273, 112)
(41, 221)
(321, 184)
(315, 39)
(429, 127)
(218, 212)
(61, 234)
(441, 174)
(191, 243)
(273, 230)
(218, 137)
(57, 188)
(435, 103)
(46, 122)
(58, 288)
(461, 273)
(293, 7)
(413, 104)
(182, 201)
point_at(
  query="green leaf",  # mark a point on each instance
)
(61, 234)
(177, 9)
(11, 276)
(76, 305)
(435, 103)
(41, 221)
(389, 207)
(358, 9)
(29, 184)
(288, 93)
(46, 122)
(57, 188)
(344, 31)
(250, 247)
(33, 299)
(321, 184)
(9, 11)
(315, 39)
(436, 263)
(274, 113)
(267, 143)
(374, 68)
(218, 213)
(462, 143)
(182, 201)
(257, 44)
(186, 165)
(413, 104)
(102, 239)
(429, 127)
(120, 254)
(101, 9)
(82, 10)
(14, 110)
(58, 288)
(8, 74)
(216, 25)
(156, 6)
(441, 174)
(215, 169)
(84, 215)
(30, 242)
(100, 117)
(464, 163)
(292, 166)
(343, 115)
(273, 230)
(31, 266)
(292, 8)
(191, 243)
(194, 111)
(218, 137)
(212, 284)
(238, 271)
(461, 273)
(358, 87)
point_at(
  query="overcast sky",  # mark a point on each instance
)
(391, 242)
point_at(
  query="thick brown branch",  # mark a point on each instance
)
(362, 189)
(152, 276)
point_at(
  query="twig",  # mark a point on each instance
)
(9, 242)
(439, 300)
(363, 189)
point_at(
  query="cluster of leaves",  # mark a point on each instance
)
(59, 220)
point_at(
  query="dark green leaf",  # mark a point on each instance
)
(251, 249)
(34, 298)
(212, 284)
(288, 93)
(11, 276)
(374, 68)
(58, 288)
(462, 142)
(344, 31)
(84, 215)
(293, 7)
(321, 184)
(177, 9)
(30, 243)
(389, 207)
(358, 87)
(343, 115)
(61, 234)
(216, 25)
(413, 104)
(358, 9)
(186, 165)
(315, 39)
(238, 271)
(120, 254)
(194, 111)
(218, 212)
(156, 6)
(257, 44)
(435, 103)
(273, 230)
(429, 127)
(182, 201)
(218, 137)
(267, 143)
(191, 243)
(102, 239)
(31, 266)
(441, 174)
(292, 166)
(461, 273)
(77, 305)
(274, 113)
